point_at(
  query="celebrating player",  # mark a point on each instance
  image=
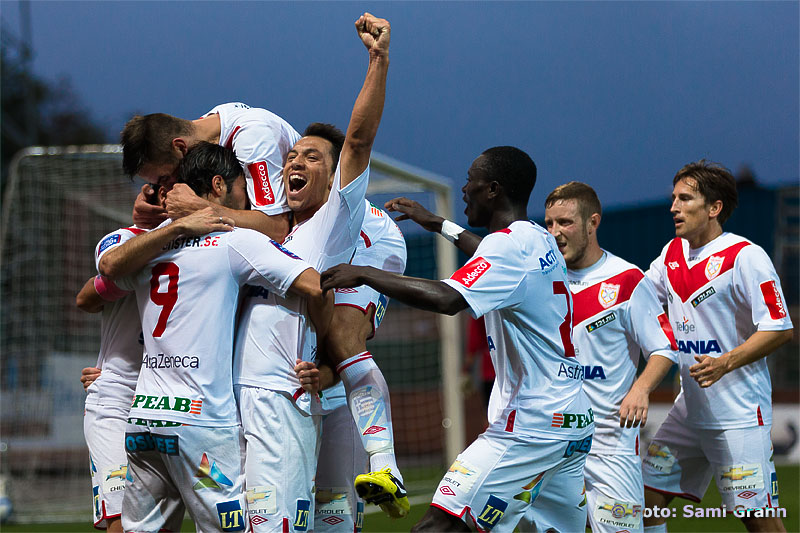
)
(616, 314)
(540, 421)
(184, 438)
(725, 299)
(152, 146)
(325, 178)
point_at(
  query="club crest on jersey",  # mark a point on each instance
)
(714, 266)
(608, 294)
(471, 272)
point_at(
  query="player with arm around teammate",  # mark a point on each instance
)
(184, 439)
(725, 300)
(540, 421)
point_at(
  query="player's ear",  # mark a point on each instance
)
(162, 196)
(218, 186)
(594, 222)
(715, 208)
(179, 145)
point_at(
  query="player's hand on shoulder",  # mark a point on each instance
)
(341, 276)
(182, 201)
(374, 33)
(203, 222)
(88, 376)
(308, 374)
(147, 213)
(411, 210)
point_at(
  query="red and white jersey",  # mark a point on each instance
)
(381, 245)
(718, 296)
(120, 337)
(518, 280)
(616, 314)
(274, 330)
(187, 300)
(260, 139)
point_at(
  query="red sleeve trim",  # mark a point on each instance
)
(667, 329)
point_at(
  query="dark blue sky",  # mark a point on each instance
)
(617, 94)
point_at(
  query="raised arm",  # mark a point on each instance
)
(367, 110)
(88, 299)
(134, 254)
(465, 240)
(430, 295)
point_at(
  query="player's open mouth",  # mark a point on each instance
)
(296, 182)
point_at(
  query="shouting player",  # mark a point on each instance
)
(725, 300)
(184, 439)
(540, 422)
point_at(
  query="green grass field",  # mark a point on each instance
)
(423, 487)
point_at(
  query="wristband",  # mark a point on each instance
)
(107, 290)
(451, 230)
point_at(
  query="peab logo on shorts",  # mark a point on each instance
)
(492, 512)
(471, 272)
(230, 516)
(167, 403)
(572, 420)
(261, 185)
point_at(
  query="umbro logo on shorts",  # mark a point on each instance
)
(374, 429)
(447, 491)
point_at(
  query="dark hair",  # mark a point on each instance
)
(714, 182)
(588, 203)
(330, 133)
(513, 169)
(148, 139)
(205, 160)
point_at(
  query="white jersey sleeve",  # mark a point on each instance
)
(757, 283)
(656, 276)
(649, 324)
(113, 240)
(256, 259)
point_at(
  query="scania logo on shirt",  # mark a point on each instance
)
(469, 273)
(167, 403)
(263, 189)
(699, 347)
(572, 420)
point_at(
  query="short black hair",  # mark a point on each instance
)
(205, 160)
(330, 133)
(148, 139)
(714, 182)
(513, 169)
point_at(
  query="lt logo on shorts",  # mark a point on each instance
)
(492, 512)
(230, 516)
(301, 515)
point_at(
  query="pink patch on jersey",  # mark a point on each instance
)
(510, 421)
(589, 302)
(772, 297)
(667, 329)
(471, 272)
(261, 185)
(686, 281)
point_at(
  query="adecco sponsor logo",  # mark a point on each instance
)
(262, 187)
(469, 273)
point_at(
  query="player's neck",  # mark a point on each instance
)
(591, 256)
(503, 218)
(708, 234)
(208, 128)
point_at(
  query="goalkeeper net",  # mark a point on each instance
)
(59, 202)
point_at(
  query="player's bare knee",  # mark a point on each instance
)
(437, 520)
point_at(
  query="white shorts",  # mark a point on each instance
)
(281, 460)
(370, 301)
(499, 476)
(681, 461)
(177, 468)
(614, 492)
(341, 459)
(104, 430)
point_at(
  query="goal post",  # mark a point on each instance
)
(58, 202)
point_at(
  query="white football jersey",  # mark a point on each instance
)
(616, 314)
(718, 296)
(187, 299)
(260, 139)
(120, 338)
(518, 280)
(274, 330)
(381, 245)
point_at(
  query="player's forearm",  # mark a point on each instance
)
(653, 373)
(134, 254)
(468, 242)
(760, 344)
(88, 300)
(276, 227)
(429, 295)
(364, 120)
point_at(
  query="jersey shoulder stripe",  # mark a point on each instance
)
(597, 298)
(684, 280)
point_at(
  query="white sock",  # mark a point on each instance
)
(368, 400)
